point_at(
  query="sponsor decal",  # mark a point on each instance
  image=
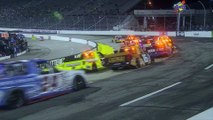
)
(196, 34)
(73, 64)
(56, 61)
(180, 34)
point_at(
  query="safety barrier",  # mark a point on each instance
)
(8, 57)
(205, 34)
(200, 34)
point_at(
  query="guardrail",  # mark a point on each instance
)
(10, 56)
(205, 34)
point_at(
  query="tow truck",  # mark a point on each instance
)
(130, 54)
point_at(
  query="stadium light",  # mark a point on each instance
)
(204, 19)
(179, 8)
(150, 3)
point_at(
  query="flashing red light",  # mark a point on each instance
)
(148, 42)
(183, 2)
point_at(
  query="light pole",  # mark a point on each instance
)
(179, 8)
(190, 23)
(178, 23)
(204, 8)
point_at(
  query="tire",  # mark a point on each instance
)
(114, 68)
(138, 63)
(78, 83)
(94, 67)
(152, 60)
(15, 100)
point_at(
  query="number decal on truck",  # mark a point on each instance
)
(50, 83)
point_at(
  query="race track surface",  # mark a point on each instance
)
(175, 89)
(50, 49)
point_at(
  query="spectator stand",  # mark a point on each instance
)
(12, 45)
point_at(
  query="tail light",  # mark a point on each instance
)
(126, 50)
(87, 55)
(91, 54)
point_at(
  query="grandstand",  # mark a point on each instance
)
(86, 15)
(75, 14)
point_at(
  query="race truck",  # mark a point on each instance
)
(90, 60)
(118, 39)
(130, 54)
(158, 46)
(27, 81)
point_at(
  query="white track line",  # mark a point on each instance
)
(205, 115)
(208, 67)
(150, 94)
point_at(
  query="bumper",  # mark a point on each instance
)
(120, 65)
(159, 53)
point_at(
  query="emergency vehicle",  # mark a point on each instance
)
(130, 54)
(158, 46)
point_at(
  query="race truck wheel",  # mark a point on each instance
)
(152, 59)
(79, 83)
(114, 68)
(94, 67)
(138, 63)
(15, 100)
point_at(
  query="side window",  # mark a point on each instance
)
(16, 69)
(45, 68)
(20, 69)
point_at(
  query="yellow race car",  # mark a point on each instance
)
(90, 60)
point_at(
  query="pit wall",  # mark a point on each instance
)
(8, 57)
